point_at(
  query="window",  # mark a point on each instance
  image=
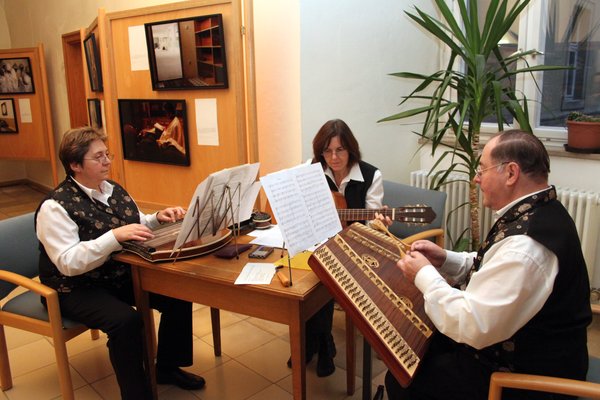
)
(566, 34)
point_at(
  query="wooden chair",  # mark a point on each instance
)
(19, 255)
(590, 388)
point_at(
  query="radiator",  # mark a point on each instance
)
(584, 207)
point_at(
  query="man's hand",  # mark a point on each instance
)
(137, 232)
(422, 253)
(411, 264)
(170, 214)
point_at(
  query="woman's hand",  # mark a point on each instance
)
(170, 214)
(385, 219)
(137, 232)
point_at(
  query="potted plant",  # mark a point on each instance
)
(583, 133)
(474, 85)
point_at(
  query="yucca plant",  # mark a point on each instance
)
(476, 84)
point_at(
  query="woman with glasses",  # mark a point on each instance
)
(361, 186)
(79, 225)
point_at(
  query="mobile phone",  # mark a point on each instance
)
(261, 252)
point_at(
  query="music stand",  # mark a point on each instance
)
(224, 198)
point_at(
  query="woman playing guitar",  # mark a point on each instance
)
(361, 186)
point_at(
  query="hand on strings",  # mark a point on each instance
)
(170, 214)
(434, 253)
(385, 219)
(136, 232)
(411, 264)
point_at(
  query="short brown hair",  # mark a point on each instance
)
(525, 149)
(75, 144)
(329, 130)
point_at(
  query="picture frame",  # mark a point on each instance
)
(8, 117)
(16, 76)
(154, 131)
(187, 53)
(94, 67)
(94, 113)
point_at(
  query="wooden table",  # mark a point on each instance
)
(209, 280)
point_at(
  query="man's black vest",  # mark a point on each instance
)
(554, 341)
(93, 219)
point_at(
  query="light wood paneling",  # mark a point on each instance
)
(162, 184)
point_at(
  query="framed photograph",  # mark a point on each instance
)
(16, 76)
(92, 57)
(155, 131)
(8, 117)
(95, 113)
(187, 53)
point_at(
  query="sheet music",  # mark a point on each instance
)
(222, 199)
(303, 206)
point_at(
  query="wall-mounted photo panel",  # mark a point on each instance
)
(187, 53)
(94, 113)
(8, 117)
(92, 57)
(16, 76)
(154, 131)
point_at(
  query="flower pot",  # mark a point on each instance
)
(583, 137)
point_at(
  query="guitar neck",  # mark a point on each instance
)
(360, 214)
(418, 214)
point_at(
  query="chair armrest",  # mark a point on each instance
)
(437, 233)
(541, 383)
(27, 283)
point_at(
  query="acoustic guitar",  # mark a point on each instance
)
(418, 214)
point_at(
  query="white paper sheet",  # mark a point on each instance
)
(267, 237)
(138, 51)
(207, 127)
(222, 198)
(303, 206)
(256, 274)
(25, 110)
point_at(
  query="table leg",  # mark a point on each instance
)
(350, 357)
(143, 306)
(215, 320)
(297, 347)
(367, 373)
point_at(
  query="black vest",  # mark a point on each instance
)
(554, 341)
(93, 219)
(356, 192)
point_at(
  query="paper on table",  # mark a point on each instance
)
(256, 274)
(267, 237)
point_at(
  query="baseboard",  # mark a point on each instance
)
(34, 185)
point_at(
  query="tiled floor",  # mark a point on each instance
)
(253, 364)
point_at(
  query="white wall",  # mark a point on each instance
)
(348, 50)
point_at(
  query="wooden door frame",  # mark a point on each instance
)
(75, 81)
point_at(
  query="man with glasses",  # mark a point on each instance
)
(521, 303)
(79, 225)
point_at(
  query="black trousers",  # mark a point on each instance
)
(318, 332)
(451, 372)
(110, 310)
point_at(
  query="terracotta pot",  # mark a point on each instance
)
(584, 135)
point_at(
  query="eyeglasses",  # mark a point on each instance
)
(330, 152)
(100, 158)
(480, 171)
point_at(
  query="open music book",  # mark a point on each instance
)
(224, 198)
(303, 206)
